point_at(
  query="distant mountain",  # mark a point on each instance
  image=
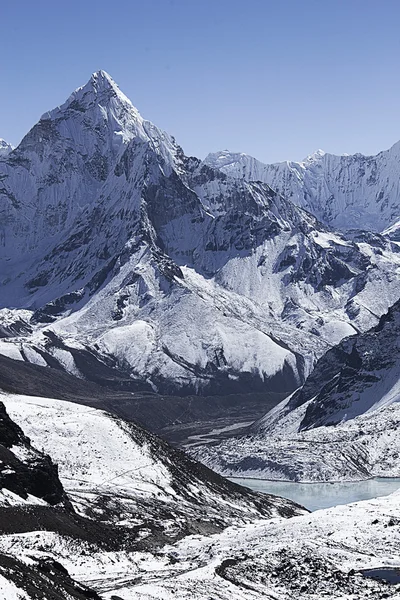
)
(125, 262)
(5, 148)
(345, 192)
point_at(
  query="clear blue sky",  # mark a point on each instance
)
(276, 79)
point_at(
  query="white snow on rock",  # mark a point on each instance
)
(346, 192)
(367, 446)
(342, 424)
(5, 148)
(11, 591)
(94, 451)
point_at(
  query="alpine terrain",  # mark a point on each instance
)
(124, 516)
(116, 248)
(342, 424)
(248, 312)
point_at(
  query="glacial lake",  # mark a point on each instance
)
(324, 495)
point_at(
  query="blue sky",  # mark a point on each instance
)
(277, 80)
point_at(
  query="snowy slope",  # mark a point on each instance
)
(114, 471)
(116, 248)
(393, 232)
(367, 446)
(128, 493)
(109, 467)
(359, 375)
(346, 192)
(116, 474)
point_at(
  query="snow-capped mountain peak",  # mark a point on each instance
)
(223, 158)
(100, 86)
(101, 97)
(67, 158)
(315, 156)
(5, 148)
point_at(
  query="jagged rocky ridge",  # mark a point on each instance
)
(359, 375)
(341, 425)
(116, 249)
(346, 192)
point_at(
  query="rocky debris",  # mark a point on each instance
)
(306, 575)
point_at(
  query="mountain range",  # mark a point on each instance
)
(345, 192)
(342, 424)
(116, 249)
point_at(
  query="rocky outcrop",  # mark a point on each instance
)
(24, 470)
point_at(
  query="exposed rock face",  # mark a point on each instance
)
(42, 579)
(24, 470)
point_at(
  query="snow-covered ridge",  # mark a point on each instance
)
(346, 192)
(115, 469)
(359, 375)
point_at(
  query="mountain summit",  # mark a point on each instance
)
(5, 148)
(101, 95)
